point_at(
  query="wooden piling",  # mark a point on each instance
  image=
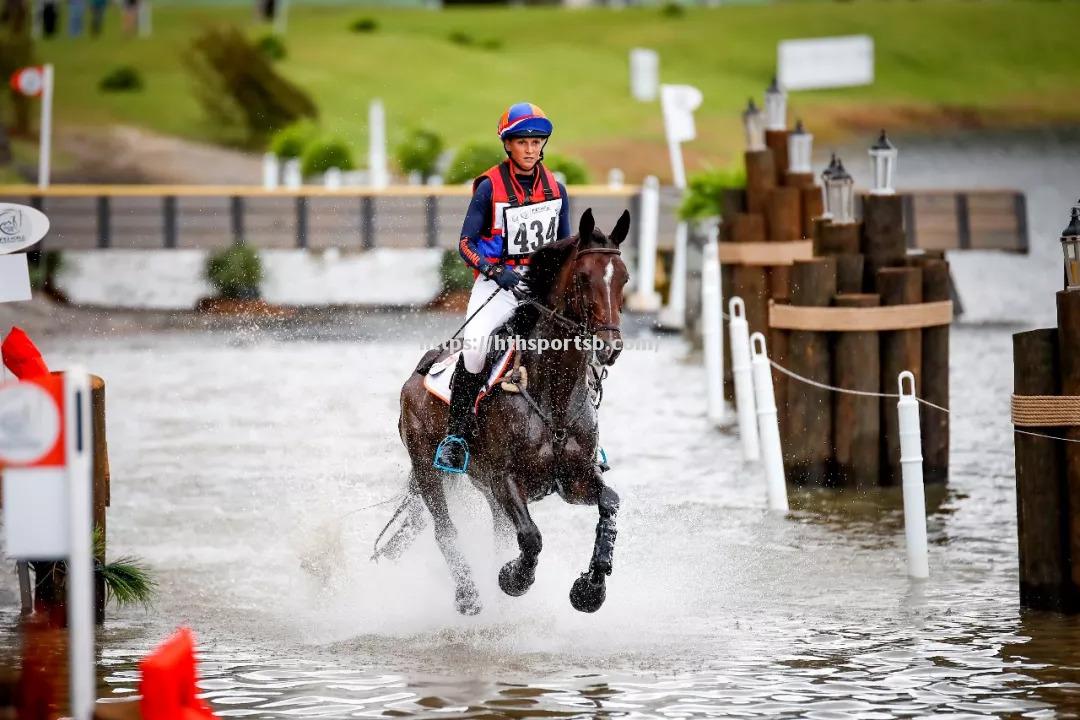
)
(732, 202)
(750, 281)
(777, 141)
(883, 239)
(101, 485)
(849, 275)
(800, 180)
(808, 443)
(1068, 316)
(837, 239)
(856, 418)
(782, 215)
(935, 375)
(900, 350)
(760, 179)
(1042, 505)
(812, 208)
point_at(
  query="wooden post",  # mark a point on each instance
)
(837, 239)
(884, 242)
(784, 224)
(856, 419)
(800, 180)
(1042, 497)
(732, 202)
(760, 179)
(776, 141)
(101, 484)
(749, 281)
(935, 375)
(1068, 315)
(812, 208)
(849, 275)
(900, 350)
(808, 444)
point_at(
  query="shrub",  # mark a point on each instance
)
(321, 155)
(363, 25)
(419, 152)
(44, 267)
(455, 274)
(573, 170)
(272, 47)
(460, 37)
(235, 272)
(239, 89)
(290, 142)
(702, 198)
(121, 79)
(471, 160)
(672, 10)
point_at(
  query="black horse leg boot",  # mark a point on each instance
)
(452, 455)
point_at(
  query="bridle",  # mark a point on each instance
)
(582, 329)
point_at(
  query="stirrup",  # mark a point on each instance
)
(602, 461)
(446, 443)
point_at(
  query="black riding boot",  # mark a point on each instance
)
(452, 455)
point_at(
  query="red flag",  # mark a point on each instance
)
(168, 682)
(21, 356)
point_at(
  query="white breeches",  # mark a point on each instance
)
(475, 335)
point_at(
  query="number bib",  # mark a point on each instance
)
(528, 228)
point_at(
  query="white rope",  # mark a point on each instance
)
(1041, 435)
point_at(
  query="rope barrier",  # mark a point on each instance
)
(1045, 410)
(848, 391)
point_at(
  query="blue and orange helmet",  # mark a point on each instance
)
(524, 120)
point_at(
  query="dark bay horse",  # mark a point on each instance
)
(523, 451)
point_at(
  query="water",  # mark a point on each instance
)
(245, 463)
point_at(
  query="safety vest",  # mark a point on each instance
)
(506, 192)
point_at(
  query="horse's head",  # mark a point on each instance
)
(583, 277)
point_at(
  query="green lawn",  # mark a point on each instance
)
(939, 64)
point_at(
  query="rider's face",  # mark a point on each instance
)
(525, 151)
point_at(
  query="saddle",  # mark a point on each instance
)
(437, 366)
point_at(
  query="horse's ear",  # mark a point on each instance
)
(586, 226)
(622, 228)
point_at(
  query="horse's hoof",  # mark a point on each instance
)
(513, 581)
(587, 595)
(467, 601)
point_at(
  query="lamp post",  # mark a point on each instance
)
(883, 166)
(1070, 247)
(825, 175)
(840, 195)
(754, 126)
(775, 107)
(800, 148)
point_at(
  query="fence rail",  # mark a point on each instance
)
(210, 216)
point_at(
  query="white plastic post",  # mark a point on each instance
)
(270, 171)
(644, 74)
(645, 298)
(146, 18)
(744, 381)
(768, 424)
(45, 148)
(673, 316)
(378, 173)
(712, 329)
(291, 176)
(79, 443)
(332, 179)
(911, 467)
(615, 178)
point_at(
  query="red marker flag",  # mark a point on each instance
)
(29, 81)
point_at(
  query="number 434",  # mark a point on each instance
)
(524, 241)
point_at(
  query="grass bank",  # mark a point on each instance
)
(940, 65)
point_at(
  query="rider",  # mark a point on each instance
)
(498, 256)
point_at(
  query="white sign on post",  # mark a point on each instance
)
(20, 227)
(825, 62)
(46, 447)
(33, 81)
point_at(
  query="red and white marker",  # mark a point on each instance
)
(34, 81)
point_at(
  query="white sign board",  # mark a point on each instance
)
(644, 74)
(825, 62)
(14, 278)
(20, 227)
(678, 103)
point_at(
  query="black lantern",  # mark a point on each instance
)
(840, 191)
(883, 166)
(775, 107)
(754, 125)
(1070, 246)
(800, 147)
(825, 175)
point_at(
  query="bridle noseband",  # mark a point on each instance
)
(582, 329)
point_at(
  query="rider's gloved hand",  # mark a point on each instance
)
(504, 276)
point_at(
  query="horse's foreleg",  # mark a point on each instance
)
(518, 575)
(590, 590)
(466, 598)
